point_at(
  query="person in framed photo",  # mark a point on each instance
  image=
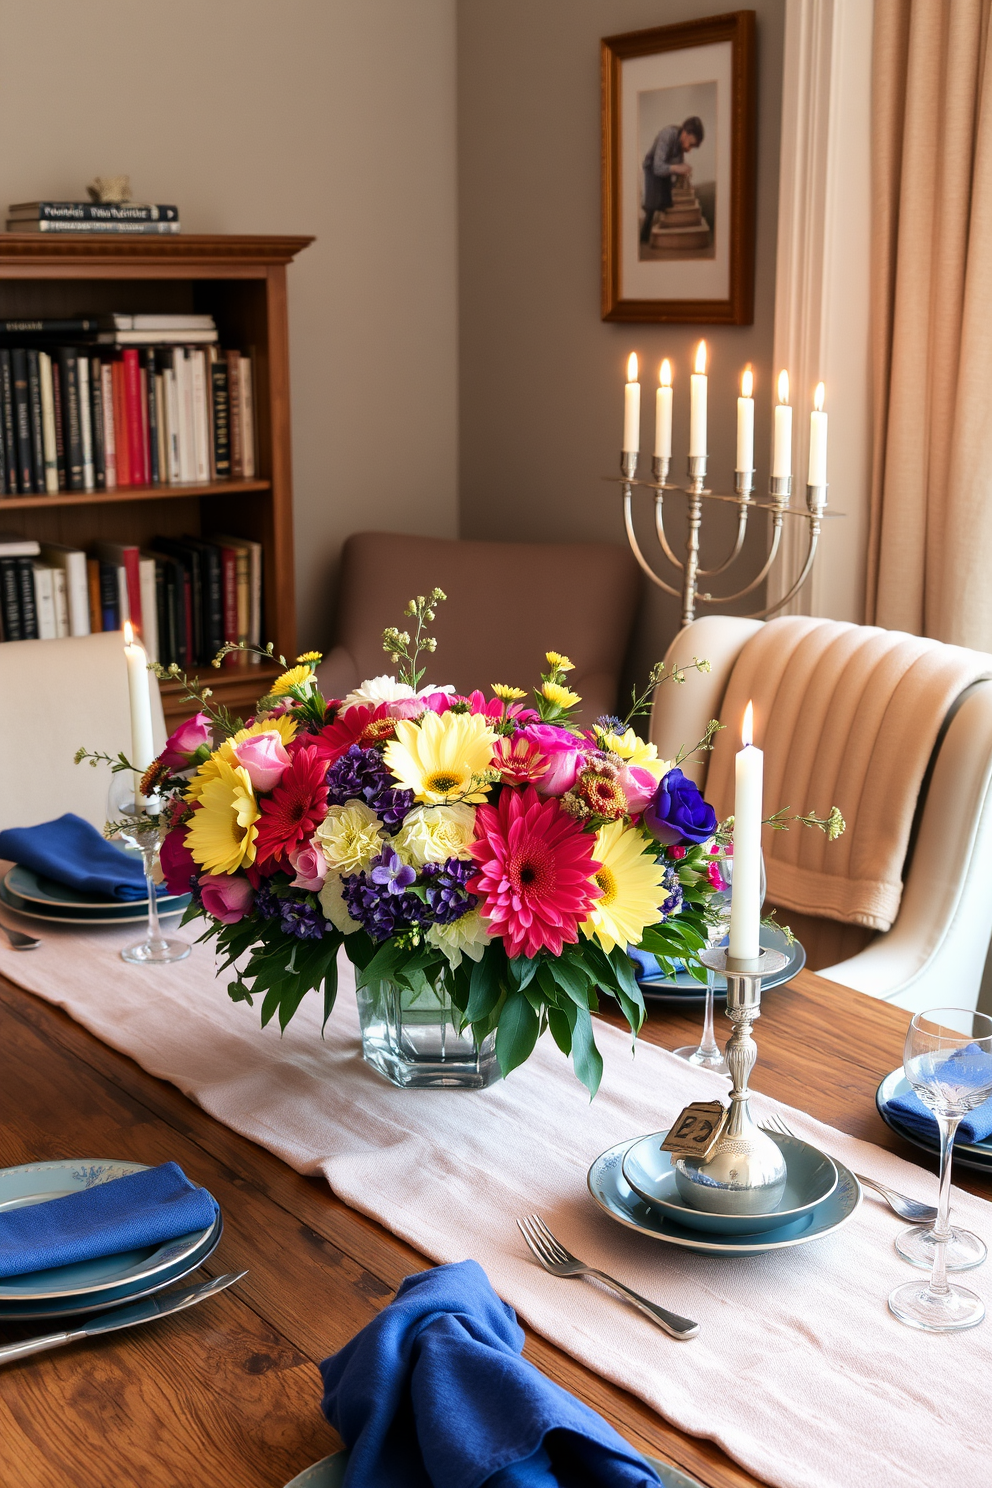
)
(665, 159)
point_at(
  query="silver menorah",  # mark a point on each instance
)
(779, 493)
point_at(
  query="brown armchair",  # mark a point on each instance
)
(507, 604)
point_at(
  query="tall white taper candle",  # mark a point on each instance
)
(139, 696)
(745, 422)
(817, 475)
(697, 404)
(782, 431)
(632, 408)
(663, 413)
(745, 894)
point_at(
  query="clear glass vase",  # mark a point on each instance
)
(415, 1039)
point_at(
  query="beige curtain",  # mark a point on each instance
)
(930, 545)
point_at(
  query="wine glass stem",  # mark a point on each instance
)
(154, 929)
(947, 1126)
(708, 1044)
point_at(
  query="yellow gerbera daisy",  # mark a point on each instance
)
(632, 885)
(311, 656)
(635, 752)
(508, 694)
(560, 695)
(559, 662)
(284, 725)
(440, 757)
(221, 835)
(295, 677)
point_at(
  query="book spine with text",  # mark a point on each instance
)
(221, 421)
(22, 420)
(92, 212)
(121, 430)
(61, 595)
(11, 610)
(154, 472)
(234, 412)
(70, 410)
(59, 425)
(109, 426)
(132, 399)
(44, 601)
(99, 432)
(7, 418)
(37, 436)
(85, 422)
(25, 597)
(49, 451)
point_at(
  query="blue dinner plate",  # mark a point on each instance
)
(614, 1195)
(683, 990)
(122, 912)
(329, 1473)
(976, 1155)
(33, 887)
(811, 1178)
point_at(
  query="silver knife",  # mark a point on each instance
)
(124, 1317)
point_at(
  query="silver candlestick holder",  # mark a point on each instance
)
(745, 1172)
(778, 504)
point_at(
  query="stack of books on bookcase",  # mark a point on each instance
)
(186, 597)
(92, 217)
(135, 400)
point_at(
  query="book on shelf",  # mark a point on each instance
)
(87, 418)
(89, 211)
(47, 225)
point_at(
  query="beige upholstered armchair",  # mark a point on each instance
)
(898, 732)
(507, 604)
(55, 696)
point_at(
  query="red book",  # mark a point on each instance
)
(120, 427)
(132, 414)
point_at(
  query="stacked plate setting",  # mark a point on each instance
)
(977, 1155)
(88, 1286)
(684, 990)
(634, 1183)
(40, 898)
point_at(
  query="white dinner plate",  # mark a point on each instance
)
(329, 1473)
(131, 916)
(24, 883)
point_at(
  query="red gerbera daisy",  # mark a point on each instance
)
(295, 808)
(362, 724)
(536, 870)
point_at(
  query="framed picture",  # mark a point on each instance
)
(678, 172)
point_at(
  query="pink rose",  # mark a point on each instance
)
(564, 756)
(184, 741)
(638, 785)
(264, 757)
(178, 865)
(310, 865)
(225, 897)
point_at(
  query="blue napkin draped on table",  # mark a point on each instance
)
(433, 1393)
(128, 1213)
(72, 852)
(911, 1113)
(647, 969)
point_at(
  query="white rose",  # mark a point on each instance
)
(350, 836)
(433, 834)
(468, 934)
(334, 907)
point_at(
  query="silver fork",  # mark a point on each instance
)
(899, 1203)
(17, 939)
(555, 1258)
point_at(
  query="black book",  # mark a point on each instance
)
(3, 454)
(72, 428)
(22, 421)
(172, 609)
(157, 475)
(211, 595)
(75, 327)
(9, 589)
(189, 559)
(25, 599)
(110, 596)
(59, 432)
(34, 407)
(7, 421)
(99, 434)
(221, 419)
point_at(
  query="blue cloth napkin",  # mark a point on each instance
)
(647, 968)
(125, 1214)
(72, 852)
(434, 1394)
(910, 1112)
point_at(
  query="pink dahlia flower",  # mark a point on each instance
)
(535, 878)
(184, 741)
(226, 897)
(518, 760)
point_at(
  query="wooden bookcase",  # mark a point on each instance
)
(241, 281)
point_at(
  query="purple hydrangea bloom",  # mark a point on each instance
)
(378, 911)
(266, 901)
(361, 775)
(391, 871)
(305, 921)
(673, 903)
(447, 898)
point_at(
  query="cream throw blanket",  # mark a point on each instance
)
(847, 715)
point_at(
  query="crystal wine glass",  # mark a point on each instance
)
(137, 825)
(708, 1052)
(948, 1062)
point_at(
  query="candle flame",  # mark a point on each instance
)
(818, 397)
(632, 367)
(747, 383)
(128, 633)
(747, 727)
(665, 375)
(783, 387)
(701, 358)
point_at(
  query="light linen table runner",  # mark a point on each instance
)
(799, 1371)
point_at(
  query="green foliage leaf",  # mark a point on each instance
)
(484, 988)
(517, 1032)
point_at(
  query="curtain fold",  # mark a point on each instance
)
(931, 509)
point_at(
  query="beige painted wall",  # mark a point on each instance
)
(331, 117)
(541, 373)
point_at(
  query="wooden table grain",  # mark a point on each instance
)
(227, 1397)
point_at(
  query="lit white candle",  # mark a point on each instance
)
(663, 413)
(697, 404)
(632, 409)
(745, 893)
(817, 475)
(139, 695)
(782, 431)
(745, 422)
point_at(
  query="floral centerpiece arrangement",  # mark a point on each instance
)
(486, 851)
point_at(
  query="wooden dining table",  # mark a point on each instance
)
(227, 1395)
